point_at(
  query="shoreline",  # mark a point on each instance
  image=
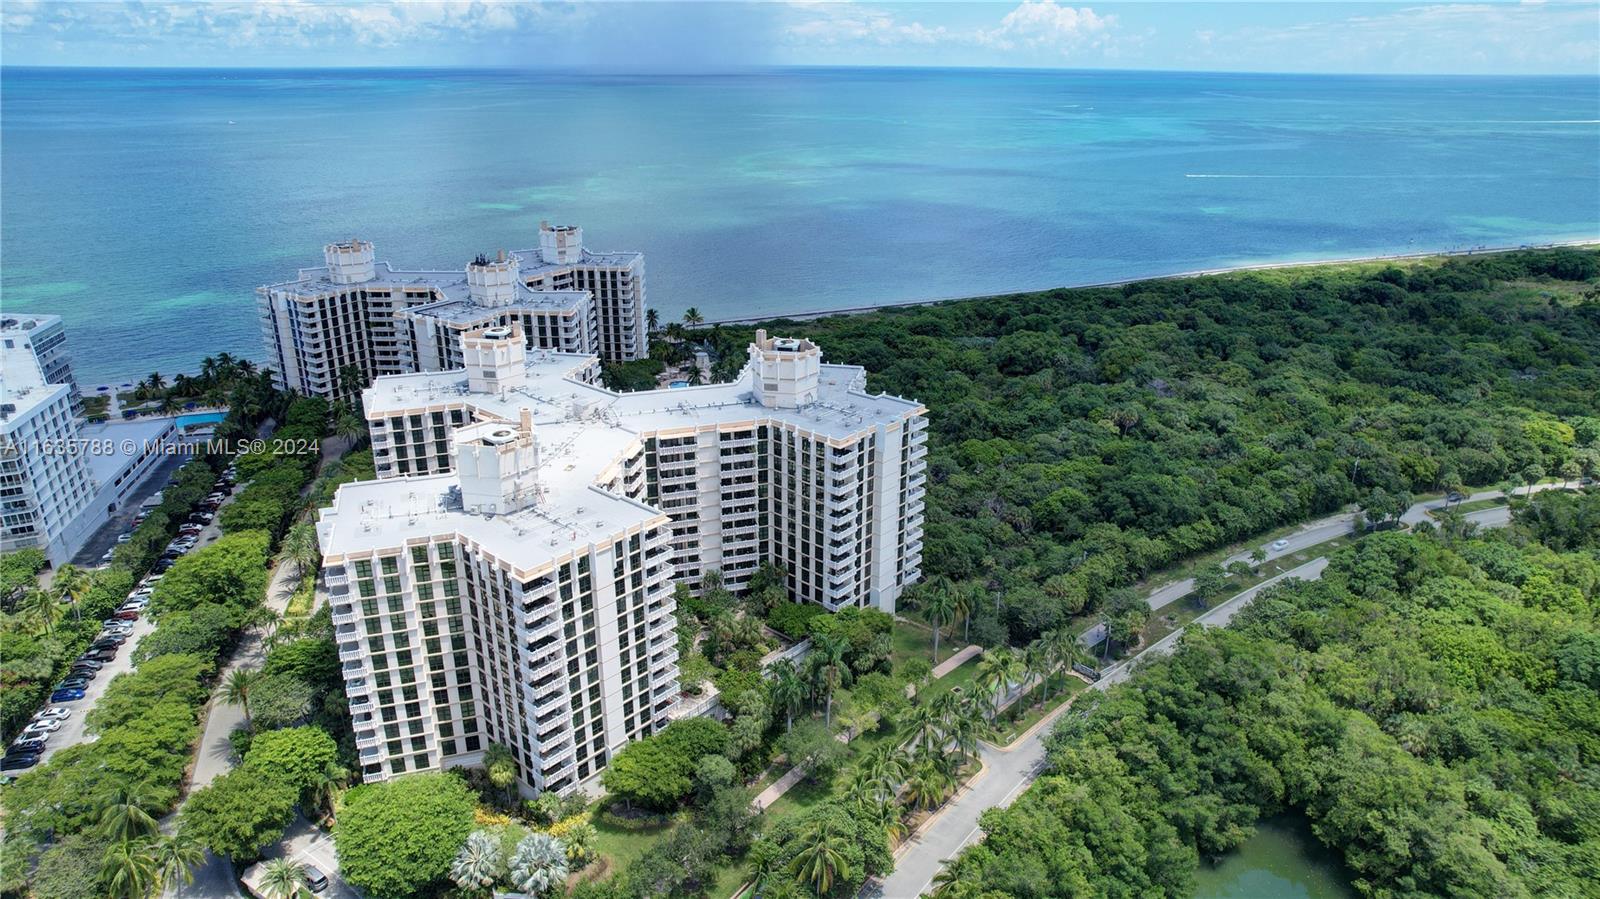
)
(1593, 242)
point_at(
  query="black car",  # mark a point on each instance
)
(106, 645)
(88, 661)
(26, 747)
(75, 682)
(19, 761)
(101, 654)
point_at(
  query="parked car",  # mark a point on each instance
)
(84, 661)
(141, 603)
(127, 614)
(118, 627)
(124, 538)
(103, 656)
(109, 555)
(162, 565)
(53, 713)
(19, 761)
(103, 648)
(29, 747)
(63, 694)
(40, 728)
(79, 676)
(315, 880)
(1454, 497)
(1280, 544)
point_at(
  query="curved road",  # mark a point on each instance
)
(1007, 772)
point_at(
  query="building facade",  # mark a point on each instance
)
(46, 337)
(508, 577)
(337, 327)
(46, 486)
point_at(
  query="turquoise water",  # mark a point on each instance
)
(1282, 861)
(146, 206)
(200, 418)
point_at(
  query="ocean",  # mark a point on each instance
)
(145, 206)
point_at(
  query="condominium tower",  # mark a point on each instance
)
(508, 578)
(354, 318)
(46, 484)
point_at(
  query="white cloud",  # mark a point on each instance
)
(1526, 36)
(1046, 24)
(840, 23)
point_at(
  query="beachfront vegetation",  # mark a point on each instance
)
(1084, 438)
(1430, 705)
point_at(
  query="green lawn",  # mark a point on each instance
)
(962, 677)
(621, 846)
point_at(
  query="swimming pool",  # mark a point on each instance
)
(679, 384)
(200, 418)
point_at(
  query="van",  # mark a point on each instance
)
(316, 881)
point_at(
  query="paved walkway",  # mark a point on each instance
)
(1007, 772)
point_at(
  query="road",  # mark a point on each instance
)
(1007, 772)
(306, 845)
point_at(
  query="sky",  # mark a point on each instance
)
(1535, 37)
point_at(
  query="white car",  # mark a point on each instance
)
(40, 730)
(54, 713)
(1280, 544)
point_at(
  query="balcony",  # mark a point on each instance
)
(545, 666)
(343, 615)
(350, 652)
(556, 699)
(367, 740)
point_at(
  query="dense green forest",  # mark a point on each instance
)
(1432, 705)
(1086, 437)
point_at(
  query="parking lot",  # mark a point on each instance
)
(72, 731)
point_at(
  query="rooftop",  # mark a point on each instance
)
(451, 282)
(582, 431)
(22, 383)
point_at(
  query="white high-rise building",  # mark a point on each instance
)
(359, 316)
(46, 483)
(508, 577)
(46, 336)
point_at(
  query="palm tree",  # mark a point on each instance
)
(950, 884)
(155, 381)
(326, 785)
(885, 770)
(997, 670)
(828, 651)
(300, 547)
(72, 585)
(539, 864)
(940, 608)
(821, 863)
(281, 878)
(928, 784)
(1036, 663)
(128, 870)
(692, 316)
(923, 721)
(652, 321)
(43, 608)
(963, 732)
(501, 767)
(122, 817)
(176, 858)
(478, 863)
(236, 691)
(788, 691)
(962, 602)
(887, 815)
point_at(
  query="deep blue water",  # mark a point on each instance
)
(145, 206)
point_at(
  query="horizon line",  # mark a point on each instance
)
(768, 67)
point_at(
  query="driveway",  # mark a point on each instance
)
(88, 556)
(305, 845)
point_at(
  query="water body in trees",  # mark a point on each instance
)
(1282, 861)
(145, 206)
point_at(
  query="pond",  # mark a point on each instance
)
(1282, 861)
